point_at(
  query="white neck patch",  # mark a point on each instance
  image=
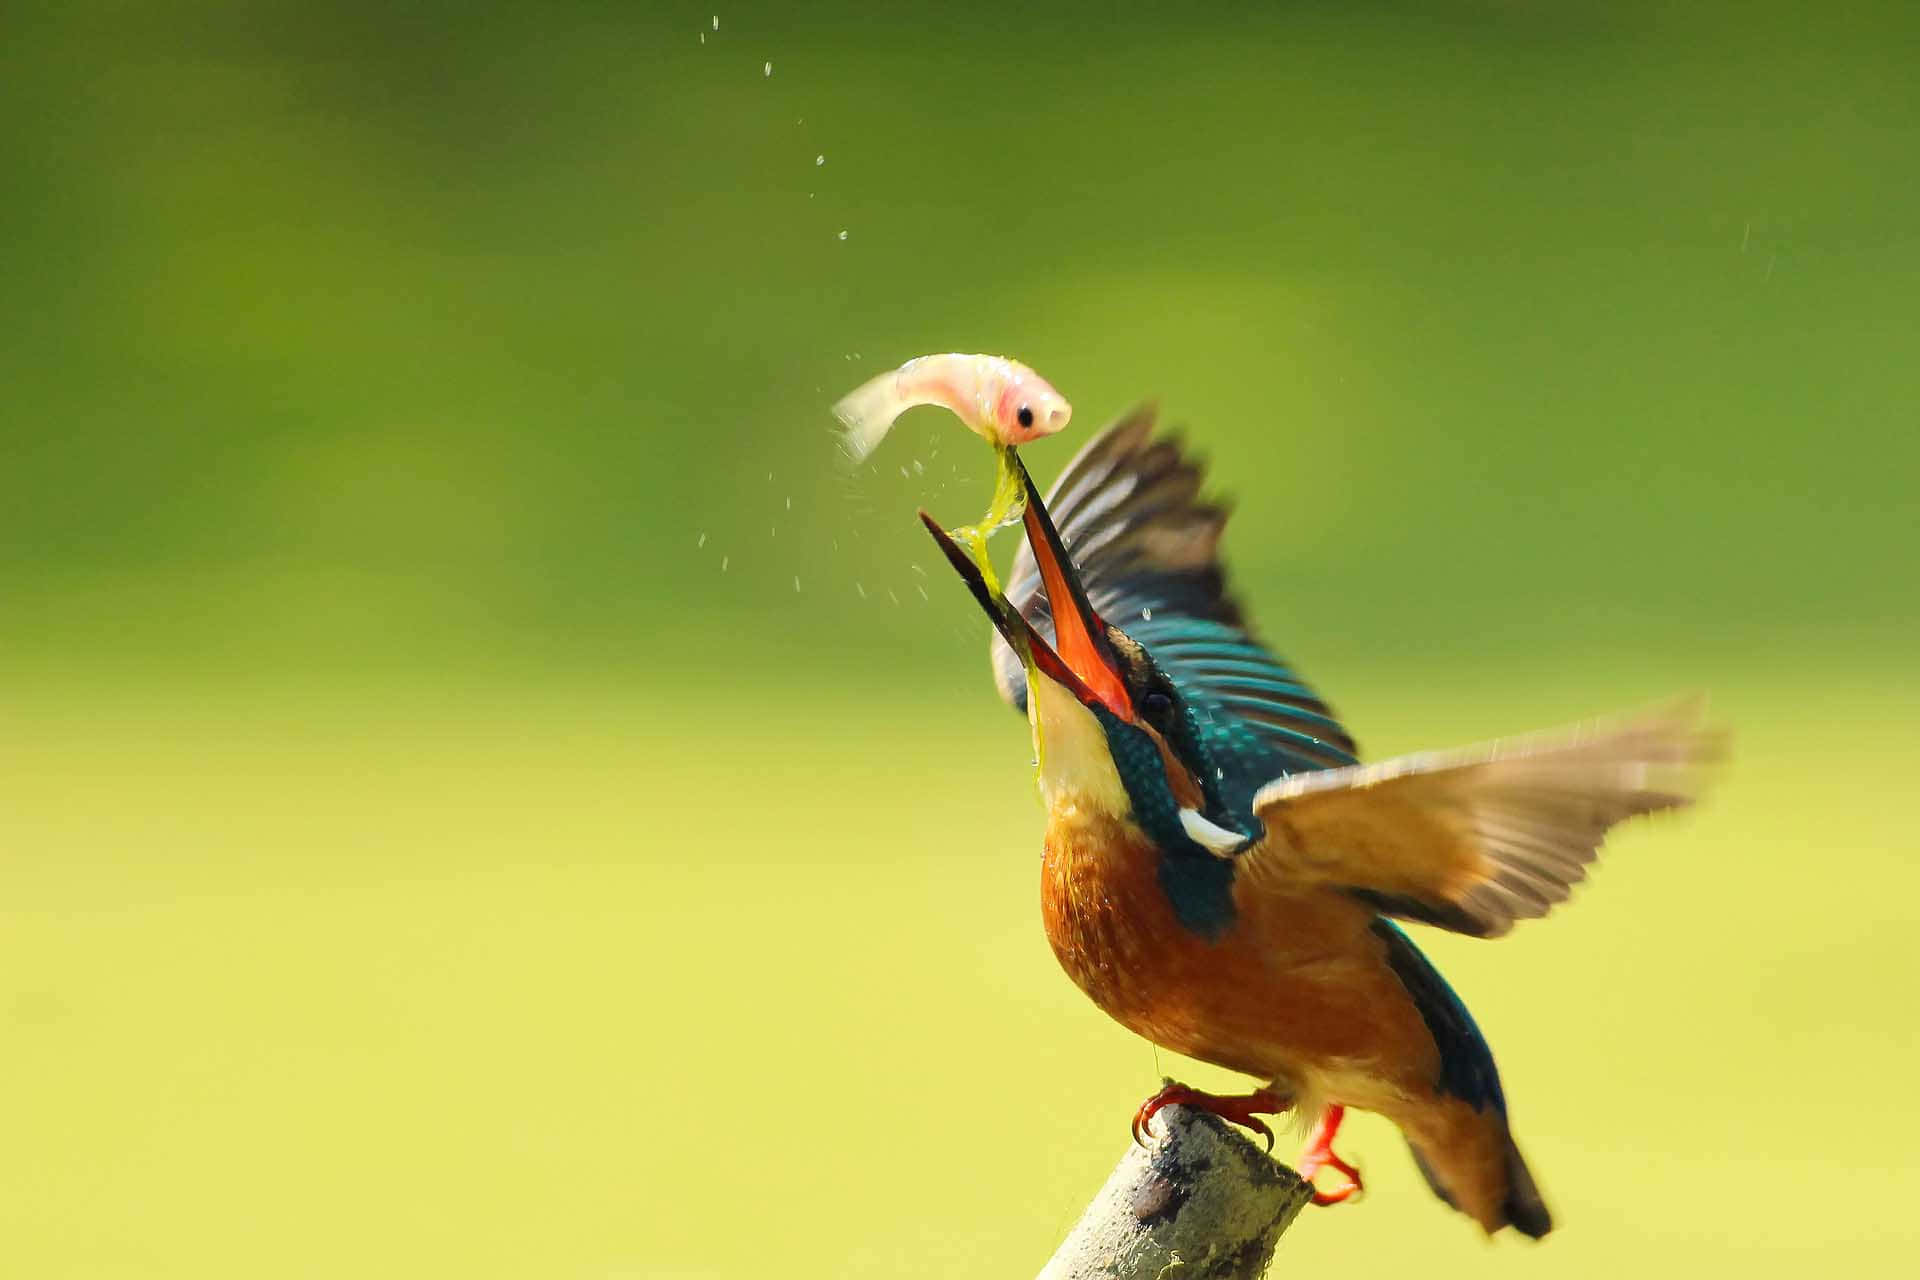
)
(1076, 764)
(1210, 835)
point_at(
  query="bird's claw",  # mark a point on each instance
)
(1239, 1109)
(1340, 1195)
(1143, 1114)
(1321, 1155)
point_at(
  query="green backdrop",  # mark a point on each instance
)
(483, 792)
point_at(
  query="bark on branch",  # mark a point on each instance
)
(1204, 1202)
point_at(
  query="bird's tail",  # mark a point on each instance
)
(1526, 1211)
(1484, 1176)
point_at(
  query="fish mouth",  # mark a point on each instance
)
(1080, 658)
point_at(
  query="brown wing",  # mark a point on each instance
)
(1475, 839)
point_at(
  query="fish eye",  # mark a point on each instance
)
(1025, 415)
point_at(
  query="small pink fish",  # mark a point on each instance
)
(999, 399)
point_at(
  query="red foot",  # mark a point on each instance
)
(1319, 1155)
(1239, 1108)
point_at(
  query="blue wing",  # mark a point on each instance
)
(1147, 546)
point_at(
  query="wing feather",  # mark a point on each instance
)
(1130, 513)
(1476, 839)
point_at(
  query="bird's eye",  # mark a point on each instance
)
(1157, 708)
(1025, 415)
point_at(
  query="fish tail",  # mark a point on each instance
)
(867, 413)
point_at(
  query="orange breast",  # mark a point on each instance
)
(1297, 990)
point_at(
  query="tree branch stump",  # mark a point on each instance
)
(1204, 1202)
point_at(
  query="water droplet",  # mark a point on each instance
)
(1219, 775)
(703, 37)
(917, 569)
(723, 563)
(843, 235)
(703, 539)
(922, 590)
(819, 160)
(904, 475)
(796, 584)
(716, 22)
(919, 467)
(766, 69)
(789, 502)
(891, 596)
(862, 590)
(1146, 615)
(772, 532)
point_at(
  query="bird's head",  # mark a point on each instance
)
(1112, 734)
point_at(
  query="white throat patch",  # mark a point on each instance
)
(1076, 765)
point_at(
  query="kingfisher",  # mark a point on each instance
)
(1223, 876)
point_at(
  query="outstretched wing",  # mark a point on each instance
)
(1473, 840)
(1147, 546)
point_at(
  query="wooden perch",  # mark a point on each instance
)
(1204, 1202)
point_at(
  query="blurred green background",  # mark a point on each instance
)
(481, 792)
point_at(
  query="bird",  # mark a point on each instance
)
(1224, 876)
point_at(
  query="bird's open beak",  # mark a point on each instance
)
(1080, 658)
